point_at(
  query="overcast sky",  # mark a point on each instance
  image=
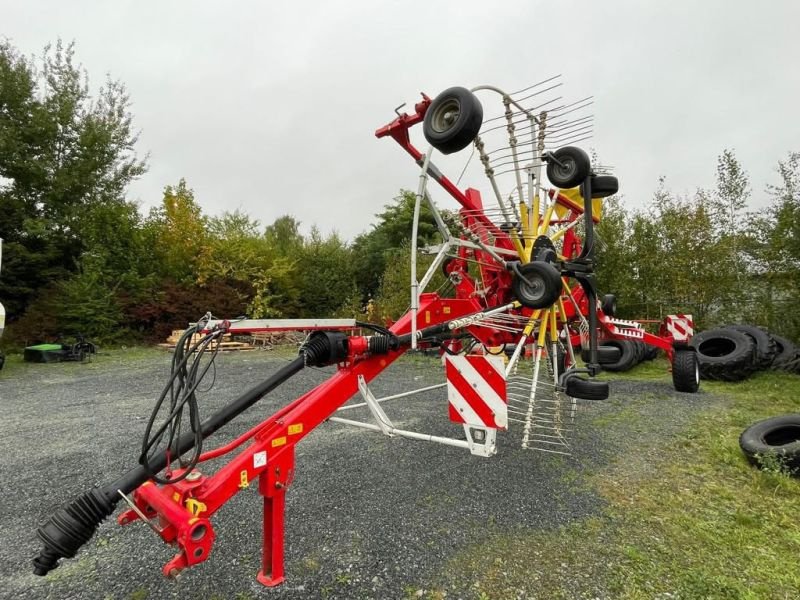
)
(270, 107)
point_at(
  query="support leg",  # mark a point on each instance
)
(271, 573)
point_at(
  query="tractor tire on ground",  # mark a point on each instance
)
(453, 120)
(773, 440)
(785, 354)
(686, 371)
(766, 347)
(651, 352)
(724, 354)
(574, 168)
(605, 354)
(628, 356)
(586, 389)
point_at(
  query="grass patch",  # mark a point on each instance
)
(699, 522)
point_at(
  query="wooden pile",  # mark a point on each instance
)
(226, 345)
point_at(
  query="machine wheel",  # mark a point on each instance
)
(777, 438)
(724, 354)
(539, 285)
(574, 168)
(453, 120)
(766, 347)
(686, 371)
(609, 305)
(604, 186)
(586, 389)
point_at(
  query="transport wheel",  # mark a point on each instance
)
(609, 305)
(604, 186)
(537, 285)
(453, 120)
(574, 167)
(766, 347)
(686, 371)
(586, 389)
(724, 354)
(773, 440)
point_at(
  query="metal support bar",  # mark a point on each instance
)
(404, 433)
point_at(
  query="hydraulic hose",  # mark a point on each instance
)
(74, 524)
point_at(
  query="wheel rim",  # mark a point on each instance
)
(566, 170)
(532, 288)
(445, 115)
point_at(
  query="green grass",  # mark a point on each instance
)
(699, 522)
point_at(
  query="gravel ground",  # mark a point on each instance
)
(367, 516)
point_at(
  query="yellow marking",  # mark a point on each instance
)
(427, 317)
(176, 497)
(543, 329)
(295, 429)
(561, 310)
(531, 322)
(553, 328)
(535, 211)
(243, 481)
(446, 310)
(548, 215)
(279, 441)
(148, 482)
(195, 506)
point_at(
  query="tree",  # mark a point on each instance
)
(393, 230)
(63, 154)
(179, 228)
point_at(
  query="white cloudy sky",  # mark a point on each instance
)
(270, 107)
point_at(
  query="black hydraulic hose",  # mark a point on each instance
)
(74, 524)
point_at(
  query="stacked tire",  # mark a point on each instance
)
(630, 353)
(735, 352)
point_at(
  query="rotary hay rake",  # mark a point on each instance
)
(524, 297)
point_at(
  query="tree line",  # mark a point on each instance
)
(78, 257)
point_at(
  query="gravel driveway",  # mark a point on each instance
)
(367, 516)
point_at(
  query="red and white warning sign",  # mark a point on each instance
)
(476, 390)
(680, 327)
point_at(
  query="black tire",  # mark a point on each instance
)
(724, 354)
(766, 347)
(639, 348)
(628, 356)
(604, 186)
(453, 120)
(540, 284)
(609, 305)
(586, 389)
(574, 168)
(771, 440)
(785, 353)
(605, 354)
(686, 371)
(650, 352)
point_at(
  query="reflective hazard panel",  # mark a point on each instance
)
(680, 327)
(476, 390)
